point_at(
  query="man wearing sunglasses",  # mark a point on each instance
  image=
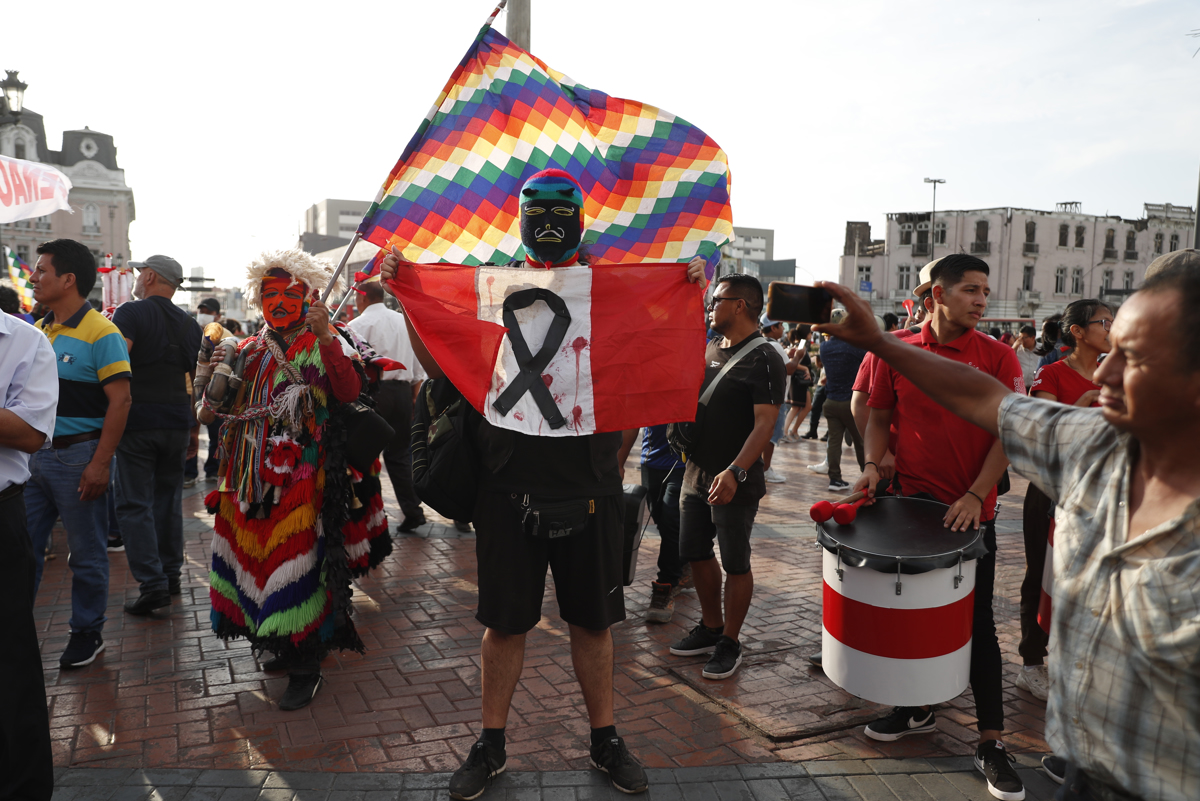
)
(724, 479)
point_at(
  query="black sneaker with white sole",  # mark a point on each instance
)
(838, 486)
(483, 764)
(904, 720)
(82, 649)
(1055, 767)
(725, 659)
(700, 640)
(997, 767)
(625, 772)
(301, 690)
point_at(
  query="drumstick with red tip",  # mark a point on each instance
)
(823, 510)
(844, 513)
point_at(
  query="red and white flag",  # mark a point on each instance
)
(563, 352)
(29, 189)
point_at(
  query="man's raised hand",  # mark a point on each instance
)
(391, 263)
(695, 271)
(859, 327)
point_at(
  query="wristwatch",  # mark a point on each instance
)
(738, 472)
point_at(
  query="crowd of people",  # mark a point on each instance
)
(100, 430)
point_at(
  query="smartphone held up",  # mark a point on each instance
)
(796, 303)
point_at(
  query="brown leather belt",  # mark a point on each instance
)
(58, 443)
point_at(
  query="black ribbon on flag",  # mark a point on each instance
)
(529, 379)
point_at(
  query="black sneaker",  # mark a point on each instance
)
(147, 602)
(810, 435)
(903, 720)
(301, 690)
(116, 544)
(625, 772)
(175, 586)
(815, 660)
(699, 640)
(997, 767)
(662, 603)
(1055, 767)
(462, 527)
(725, 659)
(82, 649)
(411, 524)
(483, 763)
(838, 486)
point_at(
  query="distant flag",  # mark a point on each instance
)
(18, 273)
(657, 186)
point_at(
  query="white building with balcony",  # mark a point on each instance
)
(1039, 260)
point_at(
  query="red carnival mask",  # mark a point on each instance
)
(283, 303)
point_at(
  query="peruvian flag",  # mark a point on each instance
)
(567, 351)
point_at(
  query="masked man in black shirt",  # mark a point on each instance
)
(550, 472)
(724, 479)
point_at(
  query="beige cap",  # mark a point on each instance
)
(925, 279)
(1188, 258)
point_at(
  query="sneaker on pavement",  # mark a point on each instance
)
(147, 602)
(815, 660)
(213, 479)
(301, 690)
(82, 649)
(625, 772)
(838, 486)
(686, 582)
(662, 604)
(821, 469)
(116, 544)
(773, 477)
(175, 586)
(997, 767)
(1035, 681)
(188, 483)
(482, 764)
(810, 435)
(699, 640)
(726, 658)
(411, 524)
(1055, 767)
(462, 527)
(903, 720)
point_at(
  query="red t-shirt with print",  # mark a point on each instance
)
(1066, 385)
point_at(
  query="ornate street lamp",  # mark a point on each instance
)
(14, 93)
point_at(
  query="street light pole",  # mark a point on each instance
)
(933, 214)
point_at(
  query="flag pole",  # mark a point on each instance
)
(341, 266)
(338, 312)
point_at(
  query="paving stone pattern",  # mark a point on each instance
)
(167, 694)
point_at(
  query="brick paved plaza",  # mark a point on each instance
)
(170, 709)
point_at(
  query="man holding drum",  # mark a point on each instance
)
(1124, 706)
(951, 461)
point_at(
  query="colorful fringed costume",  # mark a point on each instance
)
(294, 522)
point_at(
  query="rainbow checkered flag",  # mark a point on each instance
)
(657, 187)
(18, 273)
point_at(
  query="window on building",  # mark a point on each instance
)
(1027, 278)
(1060, 281)
(981, 230)
(923, 233)
(43, 223)
(1174, 242)
(1128, 280)
(864, 272)
(1158, 243)
(19, 149)
(939, 234)
(1131, 239)
(1077, 281)
(91, 219)
(1064, 235)
(1030, 231)
(23, 253)
(904, 277)
(1110, 237)
(906, 230)
(1079, 234)
(1107, 280)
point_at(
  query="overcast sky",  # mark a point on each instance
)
(232, 118)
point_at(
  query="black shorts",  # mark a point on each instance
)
(729, 524)
(588, 580)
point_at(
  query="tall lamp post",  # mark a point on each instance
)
(933, 213)
(12, 102)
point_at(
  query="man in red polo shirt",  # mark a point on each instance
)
(949, 460)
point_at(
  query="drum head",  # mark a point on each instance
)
(904, 530)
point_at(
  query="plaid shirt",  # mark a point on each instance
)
(1125, 693)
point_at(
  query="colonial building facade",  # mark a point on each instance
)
(101, 202)
(1039, 260)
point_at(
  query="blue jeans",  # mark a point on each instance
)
(150, 503)
(53, 492)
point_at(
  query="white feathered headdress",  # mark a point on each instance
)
(303, 267)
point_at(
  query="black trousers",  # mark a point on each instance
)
(663, 490)
(1036, 517)
(26, 769)
(814, 416)
(394, 403)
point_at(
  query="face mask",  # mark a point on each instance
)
(550, 230)
(283, 303)
(204, 319)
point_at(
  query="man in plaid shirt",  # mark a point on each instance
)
(1124, 706)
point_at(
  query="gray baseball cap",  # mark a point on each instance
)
(168, 269)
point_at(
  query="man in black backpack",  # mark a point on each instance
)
(163, 341)
(724, 478)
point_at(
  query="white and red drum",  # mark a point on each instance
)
(899, 592)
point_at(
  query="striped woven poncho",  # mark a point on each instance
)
(294, 523)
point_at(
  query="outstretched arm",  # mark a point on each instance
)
(971, 394)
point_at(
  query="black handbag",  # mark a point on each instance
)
(445, 465)
(683, 437)
(367, 433)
